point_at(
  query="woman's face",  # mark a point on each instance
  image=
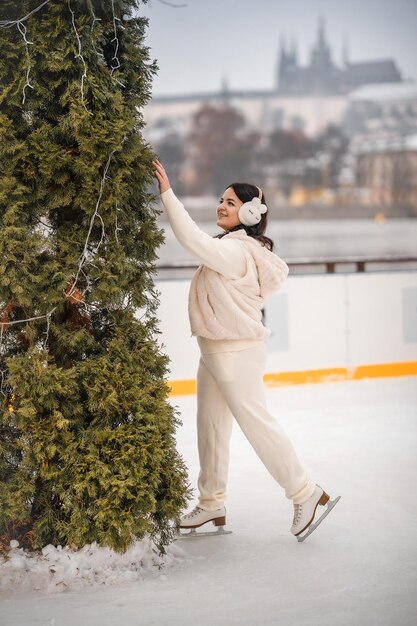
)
(227, 211)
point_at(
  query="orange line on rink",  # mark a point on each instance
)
(182, 387)
(380, 370)
(307, 376)
(332, 374)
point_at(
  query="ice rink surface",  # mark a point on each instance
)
(359, 440)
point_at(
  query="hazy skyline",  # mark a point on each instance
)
(207, 41)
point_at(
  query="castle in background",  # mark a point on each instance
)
(364, 97)
(323, 77)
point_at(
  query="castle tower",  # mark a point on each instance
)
(287, 65)
(293, 52)
(320, 54)
(225, 90)
(322, 76)
(282, 62)
(345, 52)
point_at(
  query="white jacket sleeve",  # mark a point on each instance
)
(225, 256)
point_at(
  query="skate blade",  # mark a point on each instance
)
(330, 505)
(193, 532)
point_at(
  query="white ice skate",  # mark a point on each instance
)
(198, 517)
(304, 513)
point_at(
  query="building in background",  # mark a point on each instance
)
(306, 98)
(323, 77)
(388, 110)
(387, 171)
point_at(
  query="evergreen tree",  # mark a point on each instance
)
(87, 435)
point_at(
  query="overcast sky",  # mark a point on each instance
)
(200, 44)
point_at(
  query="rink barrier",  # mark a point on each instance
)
(323, 328)
(335, 374)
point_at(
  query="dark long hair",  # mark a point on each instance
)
(246, 192)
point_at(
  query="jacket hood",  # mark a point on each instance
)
(272, 270)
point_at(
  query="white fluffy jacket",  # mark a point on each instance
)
(237, 273)
(222, 308)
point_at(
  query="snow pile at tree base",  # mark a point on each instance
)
(59, 569)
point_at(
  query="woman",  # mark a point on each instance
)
(238, 270)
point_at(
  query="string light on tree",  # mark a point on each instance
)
(79, 55)
(115, 62)
(22, 30)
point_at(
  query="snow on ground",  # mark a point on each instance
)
(358, 439)
(57, 569)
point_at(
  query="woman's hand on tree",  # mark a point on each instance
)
(161, 176)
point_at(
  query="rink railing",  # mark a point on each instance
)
(318, 265)
(326, 324)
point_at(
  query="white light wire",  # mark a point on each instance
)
(115, 58)
(79, 56)
(9, 23)
(22, 30)
(85, 253)
(95, 19)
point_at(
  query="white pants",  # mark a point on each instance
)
(229, 384)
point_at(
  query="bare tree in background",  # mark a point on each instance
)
(221, 150)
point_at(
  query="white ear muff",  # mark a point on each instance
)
(250, 213)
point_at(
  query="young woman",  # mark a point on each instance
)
(238, 271)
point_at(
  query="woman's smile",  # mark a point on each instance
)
(227, 211)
